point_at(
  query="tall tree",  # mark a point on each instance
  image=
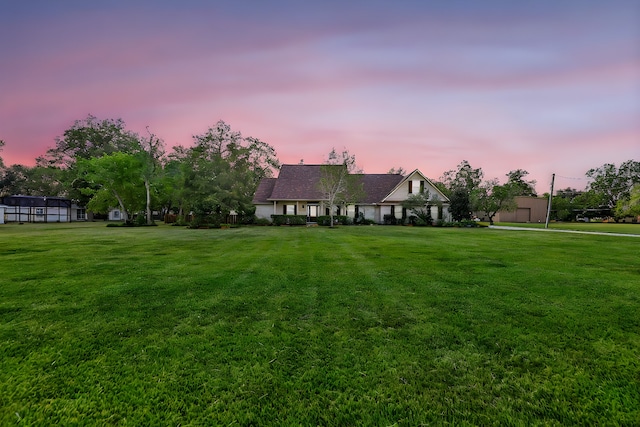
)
(150, 155)
(520, 186)
(89, 138)
(491, 197)
(86, 139)
(464, 176)
(630, 206)
(460, 206)
(562, 203)
(15, 179)
(612, 183)
(221, 172)
(116, 179)
(175, 180)
(340, 181)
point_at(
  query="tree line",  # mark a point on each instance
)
(612, 192)
(100, 164)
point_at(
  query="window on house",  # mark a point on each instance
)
(410, 187)
(289, 209)
(422, 186)
(81, 214)
(116, 214)
(40, 211)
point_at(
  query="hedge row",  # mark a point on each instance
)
(289, 219)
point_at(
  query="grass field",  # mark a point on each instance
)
(315, 326)
(601, 227)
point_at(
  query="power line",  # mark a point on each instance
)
(573, 178)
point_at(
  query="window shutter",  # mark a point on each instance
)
(284, 209)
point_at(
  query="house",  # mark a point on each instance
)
(530, 209)
(296, 192)
(37, 209)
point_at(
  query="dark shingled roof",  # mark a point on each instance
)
(378, 186)
(264, 190)
(300, 182)
(297, 182)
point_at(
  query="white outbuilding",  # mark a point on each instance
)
(2, 211)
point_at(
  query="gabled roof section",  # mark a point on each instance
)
(378, 186)
(297, 182)
(427, 180)
(264, 190)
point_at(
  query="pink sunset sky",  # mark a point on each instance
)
(546, 86)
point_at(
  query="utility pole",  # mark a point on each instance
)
(546, 223)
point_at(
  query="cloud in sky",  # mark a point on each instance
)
(543, 86)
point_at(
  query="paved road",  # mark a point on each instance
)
(555, 230)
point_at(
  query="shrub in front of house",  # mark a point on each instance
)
(414, 220)
(289, 219)
(390, 220)
(421, 222)
(337, 219)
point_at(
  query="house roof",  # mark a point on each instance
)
(300, 182)
(35, 201)
(297, 182)
(264, 190)
(378, 186)
(442, 197)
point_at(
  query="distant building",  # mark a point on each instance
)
(530, 209)
(40, 209)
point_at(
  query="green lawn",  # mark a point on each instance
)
(602, 227)
(363, 325)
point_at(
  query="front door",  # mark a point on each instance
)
(312, 213)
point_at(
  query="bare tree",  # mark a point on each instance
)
(340, 181)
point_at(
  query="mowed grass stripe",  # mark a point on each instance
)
(298, 326)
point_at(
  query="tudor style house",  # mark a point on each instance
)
(296, 192)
